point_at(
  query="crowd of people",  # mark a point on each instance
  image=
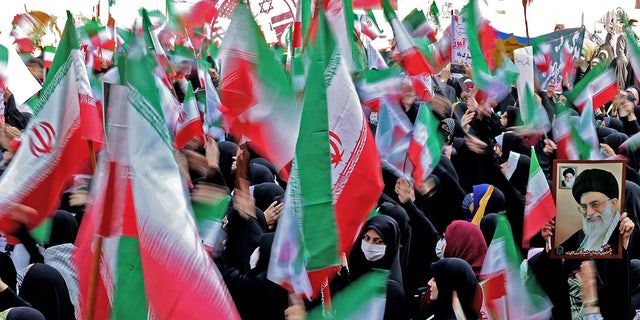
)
(432, 239)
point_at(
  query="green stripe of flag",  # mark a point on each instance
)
(314, 155)
(129, 298)
(363, 299)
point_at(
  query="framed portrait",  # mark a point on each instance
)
(589, 199)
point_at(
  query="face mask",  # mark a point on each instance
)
(373, 252)
(253, 259)
(440, 248)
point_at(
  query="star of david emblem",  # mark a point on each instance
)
(266, 6)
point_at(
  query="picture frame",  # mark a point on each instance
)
(588, 208)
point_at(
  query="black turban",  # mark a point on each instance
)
(597, 180)
(569, 170)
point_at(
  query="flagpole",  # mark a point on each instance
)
(526, 21)
(95, 261)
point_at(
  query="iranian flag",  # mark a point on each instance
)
(185, 15)
(481, 39)
(631, 144)
(376, 84)
(418, 26)
(540, 207)
(599, 85)
(633, 52)
(524, 299)
(152, 262)
(363, 299)
(258, 103)
(562, 134)
(425, 147)
(340, 18)
(15, 75)
(374, 58)
(47, 56)
(585, 135)
(411, 58)
(189, 125)
(335, 177)
(209, 213)
(52, 148)
(210, 102)
(369, 25)
(393, 136)
(163, 70)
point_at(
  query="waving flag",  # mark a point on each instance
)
(425, 148)
(189, 125)
(340, 18)
(369, 25)
(393, 136)
(185, 15)
(258, 101)
(153, 264)
(418, 26)
(411, 58)
(363, 299)
(52, 148)
(633, 52)
(524, 297)
(15, 75)
(540, 207)
(599, 85)
(335, 177)
(376, 84)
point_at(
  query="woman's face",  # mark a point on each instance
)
(503, 119)
(434, 289)
(372, 237)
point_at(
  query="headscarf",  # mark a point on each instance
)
(614, 140)
(487, 199)
(45, 289)
(8, 271)
(465, 241)
(401, 217)
(228, 150)
(265, 242)
(388, 230)
(488, 226)
(266, 193)
(518, 172)
(24, 313)
(454, 274)
(64, 228)
(259, 174)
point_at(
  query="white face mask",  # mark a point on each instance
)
(440, 248)
(253, 259)
(373, 252)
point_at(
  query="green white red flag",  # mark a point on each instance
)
(153, 264)
(511, 292)
(47, 56)
(599, 85)
(410, 56)
(539, 207)
(189, 125)
(418, 26)
(258, 103)
(15, 75)
(335, 176)
(52, 146)
(365, 298)
(425, 146)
